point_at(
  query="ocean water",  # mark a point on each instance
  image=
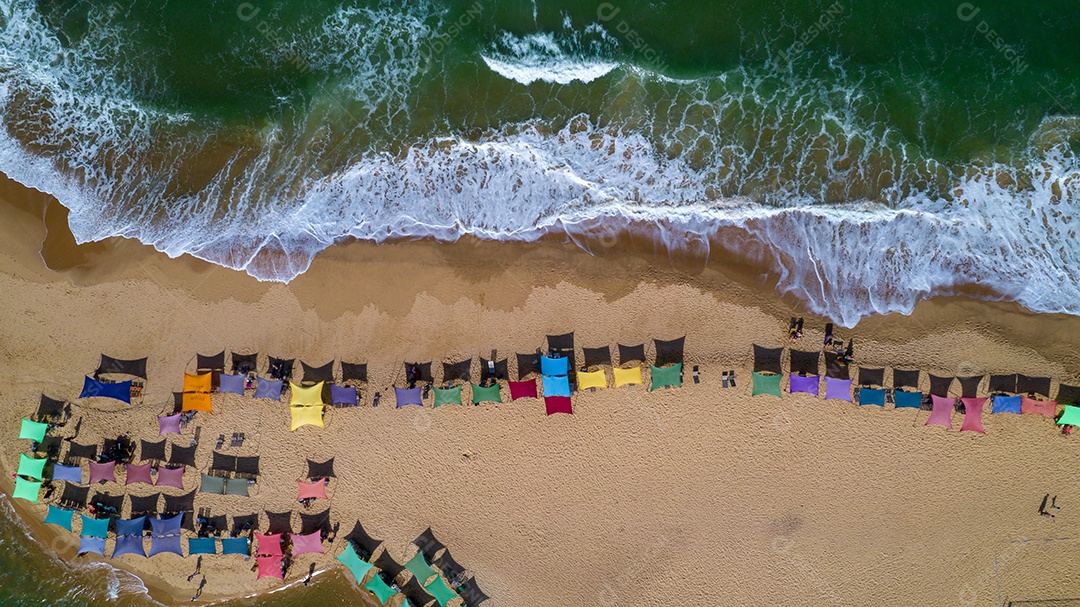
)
(864, 155)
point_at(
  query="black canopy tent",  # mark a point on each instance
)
(767, 360)
(835, 367)
(213, 525)
(1033, 385)
(629, 354)
(319, 521)
(905, 379)
(175, 504)
(389, 566)
(871, 377)
(222, 462)
(471, 593)
(111, 506)
(1068, 395)
(597, 357)
(501, 369)
(360, 538)
(805, 363)
(669, 352)
(314, 375)
(527, 364)
(182, 456)
(281, 368)
(1003, 383)
(446, 563)
(969, 386)
(457, 371)
(149, 451)
(563, 345)
(420, 372)
(245, 363)
(244, 522)
(50, 446)
(248, 465)
(146, 505)
(77, 451)
(318, 470)
(428, 544)
(50, 409)
(939, 386)
(279, 522)
(415, 593)
(110, 365)
(215, 362)
(353, 372)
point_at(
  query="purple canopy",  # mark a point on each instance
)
(120, 391)
(72, 474)
(408, 397)
(340, 395)
(138, 474)
(102, 472)
(268, 388)
(232, 384)
(804, 384)
(167, 543)
(168, 424)
(92, 544)
(838, 388)
(129, 544)
(170, 477)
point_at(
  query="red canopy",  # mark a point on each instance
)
(558, 404)
(269, 566)
(306, 490)
(973, 414)
(311, 542)
(1027, 405)
(269, 545)
(523, 389)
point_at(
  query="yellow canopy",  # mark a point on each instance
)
(197, 383)
(197, 402)
(627, 377)
(307, 416)
(306, 396)
(591, 379)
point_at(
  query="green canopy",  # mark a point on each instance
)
(94, 527)
(666, 376)
(212, 484)
(379, 588)
(358, 566)
(489, 394)
(448, 396)
(34, 431)
(419, 567)
(766, 384)
(442, 593)
(31, 466)
(1070, 416)
(27, 490)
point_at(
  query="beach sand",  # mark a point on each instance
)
(699, 495)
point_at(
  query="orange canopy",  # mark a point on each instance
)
(197, 383)
(197, 402)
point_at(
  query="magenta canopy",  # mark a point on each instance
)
(170, 477)
(942, 414)
(558, 404)
(523, 389)
(269, 545)
(168, 424)
(138, 474)
(838, 388)
(301, 544)
(807, 384)
(315, 490)
(973, 408)
(269, 566)
(102, 472)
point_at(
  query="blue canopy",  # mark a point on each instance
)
(1006, 404)
(120, 390)
(169, 543)
(59, 517)
(129, 544)
(235, 545)
(908, 400)
(201, 545)
(167, 526)
(72, 474)
(133, 526)
(94, 527)
(340, 395)
(408, 397)
(556, 385)
(231, 384)
(870, 396)
(92, 544)
(268, 388)
(554, 366)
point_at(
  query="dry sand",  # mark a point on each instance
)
(695, 496)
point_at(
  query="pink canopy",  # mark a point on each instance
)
(138, 474)
(942, 414)
(1037, 407)
(269, 545)
(523, 389)
(102, 472)
(170, 477)
(312, 542)
(168, 424)
(269, 566)
(973, 408)
(306, 490)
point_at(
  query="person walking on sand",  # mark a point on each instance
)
(198, 568)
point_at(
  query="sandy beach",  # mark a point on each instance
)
(699, 495)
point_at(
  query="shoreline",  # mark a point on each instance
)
(421, 300)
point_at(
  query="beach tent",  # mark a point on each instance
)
(198, 383)
(102, 473)
(591, 380)
(145, 505)
(629, 354)
(563, 345)
(556, 385)
(767, 360)
(419, 372)
(306, 416)
(244, 363)
(872, 396)
(414, 594)
(380, 589)
(663, 377)
(388, 565)
(805, 363)
(222, 462)
(26, 490)
(871, 377)
(306, 396)
(942, 413)
(168, 424)
(269, 566)
(179, 504)
(317, 375)
(281, 368)
(835, 367)
(31, 430)
(765, 384)
(135, 368)
(196, 401)
(1033, 385)
(490, 394)
(71, 474)
(167, 525)
(201, 545)
(268, 388)
(236, 486)
(420, 568)
(138, 474)
(94, 545)
(152, 451)
(354, 372)
(446, 563)
(442, 593)
(94, 527)
(558, 404)
(235, 545)
(554, 366)
(120, 390)
(838, 388)
(359, 537)
(448, 396)
(132, 526)
(212, 484)
(341, 395)
(428, 543)
(50, 409)
(969, 386)
(597, 357)
(799, 383)
(905, 379)
(231, 384)
(940, 386)
(31, 467)
(317, 522)
(471, 593)
(352, 561)
(248, 465)
(182, 456)
(1069, 417)
(1069, 395)
(165, 544)
(1006, 404)
(406, 396)
(669, 352)
(523, 389)
(215, 362)
(128, 539)
(501, 369)
(268, 544)
(279, 523)
(170, 477)
(973, 414)
(627, 377)
(1003, 383)
(1038, 407)
(59, 517)
(315, 490)
(908, 400)
(73, 496)
(309, 543)
(527, 364)
(244, 522)
(457, 371)
(320, 469)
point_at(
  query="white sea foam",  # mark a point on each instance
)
(559, 58)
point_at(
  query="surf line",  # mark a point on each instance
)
(608, 11)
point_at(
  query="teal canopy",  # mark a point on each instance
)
(1070, 416)
(419, 567)
(666, 376)
(356, 565)
(31, 466)
(27, 490)
(378, 587)
(488, 394)
(32, 430)
(448, 396)
(442, 593)
(94, 527)
(766, 384)
(59, 517)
